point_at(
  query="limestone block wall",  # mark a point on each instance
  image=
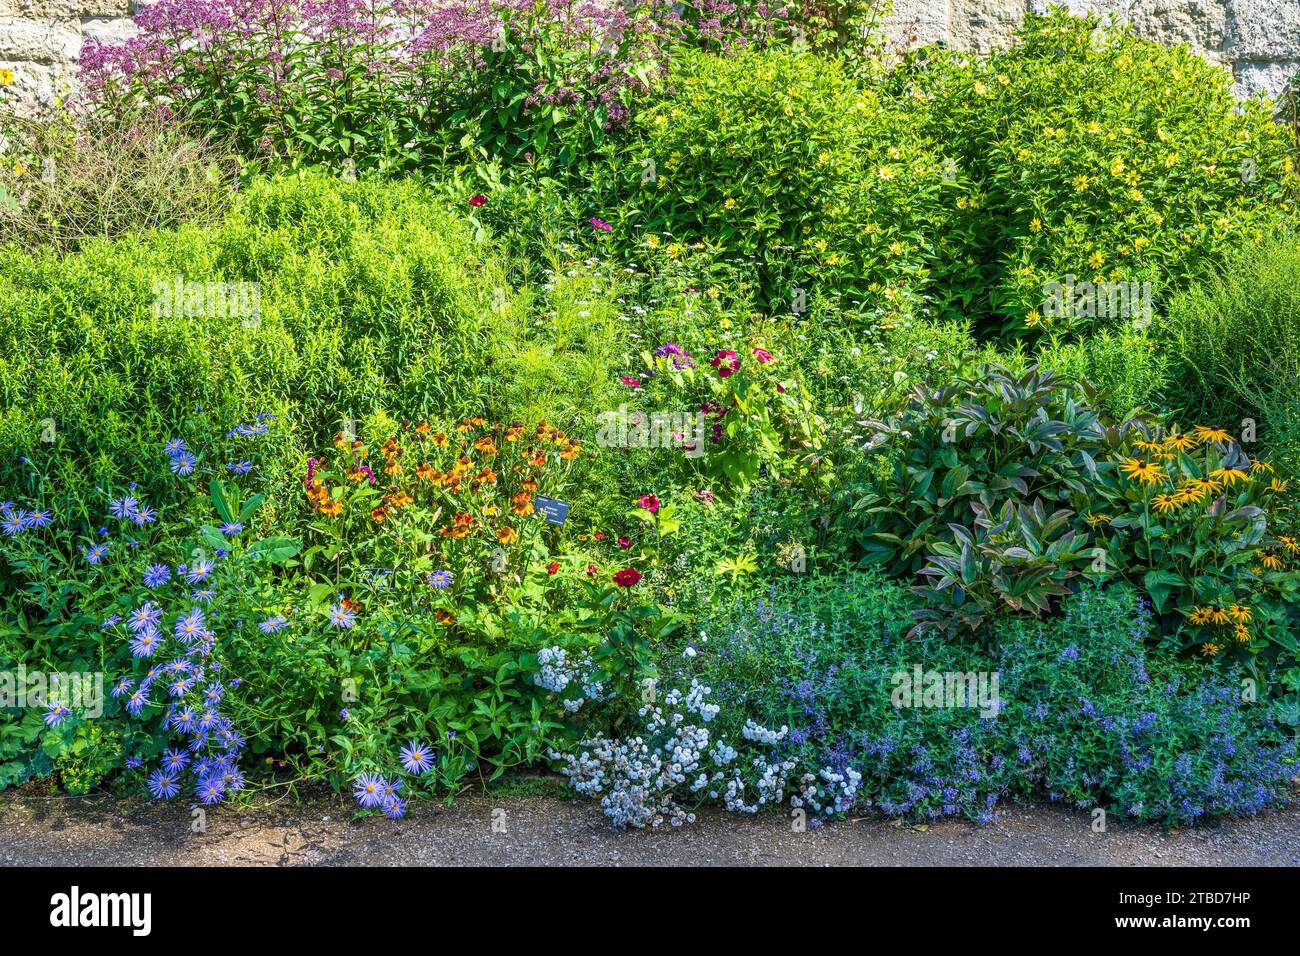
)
(1258, 40)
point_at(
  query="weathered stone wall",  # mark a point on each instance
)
(1259, 40)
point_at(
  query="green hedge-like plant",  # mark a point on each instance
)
(1099, 156)
(779, 159)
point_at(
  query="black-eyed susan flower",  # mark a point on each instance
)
(1229, 476)
(1147, 472)
(1217, 435)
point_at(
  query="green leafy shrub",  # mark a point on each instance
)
(368, 297)
(777, 158)
(1096, 156)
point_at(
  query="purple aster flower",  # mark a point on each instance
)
(144, 516)
(145, 644)
(341, 617)
(176, 447)
(174, 761)
(231, 528)
(416, 757)
(124, 508)
(183, 464)
(122, 687)
(157, 575)
(163, 785)
(134, 763)
(240, 467)
(441, 580)
(137, 702)
(198, 572)
(14, 522)
(40, 519)
(190, 627)
(369, 790)
(273, 624)
(146, 618)
(210, 790)
(395, 808)
(56, 714)
(96, 553)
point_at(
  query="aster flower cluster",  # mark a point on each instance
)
(374, 791)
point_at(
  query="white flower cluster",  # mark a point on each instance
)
(836, 793)
(557, 673)
(760, 734)
(642, 781)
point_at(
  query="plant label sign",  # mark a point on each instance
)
(552, 509)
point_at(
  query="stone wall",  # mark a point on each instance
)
(1259, 40)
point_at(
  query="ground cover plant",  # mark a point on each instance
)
(702, 403)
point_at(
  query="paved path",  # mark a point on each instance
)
(545, 830)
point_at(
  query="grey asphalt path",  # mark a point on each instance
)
(482, 829)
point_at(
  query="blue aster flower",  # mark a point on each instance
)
(40, 519)
(157, 575)
(183, 464)
(176, 447)
(55, 714)
(395, 808)
(14, 522)
(191, 627)
(369, 790)
(198, 572)
(163, 785)
(123, 508)
(273, 624)
(134, 763)
(231, 528)
(122, 687)
(441, 580)
(174, 761)
(240, 467)
(96, 553)
(210, 790)
(416, 757)
(341, 617)
(146, 617)
(145, 644)
(144, 516)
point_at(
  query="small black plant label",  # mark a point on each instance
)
(552, 509)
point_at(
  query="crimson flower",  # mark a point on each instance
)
(764, 356)
(624, 542)
(479, 200)
(627, 577)
(553, 567)
(650, 503)
(726, 362)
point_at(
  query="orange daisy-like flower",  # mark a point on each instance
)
(443, 616)
(523, 504)
(401, 499)
(486, 477)
(507, 534)
(1292, 547)
(331, 508)
(571, 451)
(486, 446)
(1278, 486)
(1218, 615)
(1200, 615)
(1217, 435)
(529, 484)
(1242, 633)
(1146, 472)
(1239, 613)
(1210, 649)
(393, 468)
(379, 515)
(426, 471)
(1259, 464)
(1272, 562)
(422, 428)
(439, 440)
